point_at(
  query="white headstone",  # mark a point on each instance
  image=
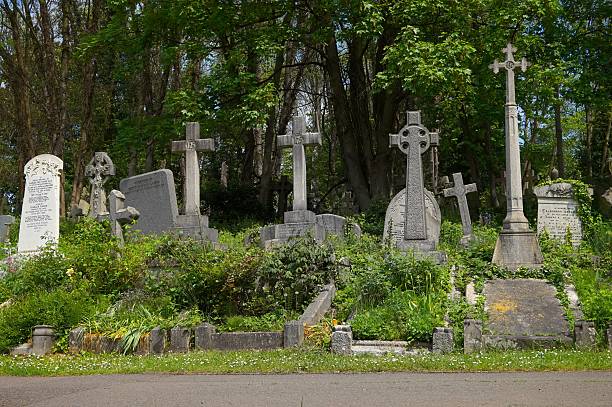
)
(40, 212)
(558, 212)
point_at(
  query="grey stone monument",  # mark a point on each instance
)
(558, 212)
(459, 190)
(192, 223)
(414, 139)
(119, 214)
(5, 224)
(517, 245)
(98, 170)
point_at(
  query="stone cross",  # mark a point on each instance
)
(460, 190)
(118, 214)
(98, 170)
(190, 146)
(297, 140)
(5, 223)
(413, 140)
(530, 179)
(515, 218)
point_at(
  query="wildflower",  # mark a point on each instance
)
(70, 272)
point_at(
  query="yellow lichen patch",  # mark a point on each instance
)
(503, 306)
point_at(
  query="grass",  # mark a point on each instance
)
(303, 361)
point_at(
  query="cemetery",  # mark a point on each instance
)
(247, 220)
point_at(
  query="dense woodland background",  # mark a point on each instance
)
(124, 76)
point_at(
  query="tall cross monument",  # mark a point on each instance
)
(414, 140)
(517, 245)
(297, 140)
(98, 170)
(190, 146)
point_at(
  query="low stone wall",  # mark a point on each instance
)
(342, 343)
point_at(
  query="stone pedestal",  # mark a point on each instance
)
(157, 341)
(472, 335)
(517, 249)
(293, 334)
(442, 340)
(203, 336)
(43, 337)
(180, 339)
(342, 340)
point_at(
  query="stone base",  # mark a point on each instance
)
(299, 217)
(274, 235)
(422, 250)
(466, 240)
(517, 249)
(196, 227)
(506, 342)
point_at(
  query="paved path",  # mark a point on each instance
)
(384, 389)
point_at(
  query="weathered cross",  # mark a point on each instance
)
(118, 214)
(460, 190)
(413, 140)
(190, 146)
(98, 170)
(297, 140)
(530, 179)
(515, 218)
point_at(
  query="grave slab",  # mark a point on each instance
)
(523, 313)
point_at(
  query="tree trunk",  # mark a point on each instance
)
(589, 143)
(604, 157)
(559, 135)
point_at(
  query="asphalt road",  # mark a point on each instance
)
(384, 389)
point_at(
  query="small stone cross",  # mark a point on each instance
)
(190, 146)
(119, 214)
(460, 190)
(413, 140)
(297, 140)
(98, 170)
(529, 180)
(5, 223)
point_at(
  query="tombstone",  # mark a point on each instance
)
(459, 191)
(558, 212)
(119, 214)
(98, 170)
(40, 212)
(554, 174)
(153, 195)
(5, 225)
(192, 223)
(517, 246)
(300, 220)
(420, 214)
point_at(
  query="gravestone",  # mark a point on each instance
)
(119, 214)
(523, 313)
(517, 245)
(98, 170)
(5, 225)
(40, 212)
(300, 220)
(459, 190)
(153, 195)
(420, 213)
(396, 215)
(192, 223)
(558, 212)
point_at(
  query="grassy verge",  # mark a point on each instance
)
(302, 361)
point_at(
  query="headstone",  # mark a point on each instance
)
(192, 223)
(554, 174)
(472, 335)
(395, 218)
(119, 214)
(459, 191)
(300, 220)
(558, 212)
(153, 195)
(98, 170)
(41, 204)
(413, 140)
(517, 245)
(523, 313)
(5, 225)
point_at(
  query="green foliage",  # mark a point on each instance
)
(273, 321)
(372, 220)
(59, 308)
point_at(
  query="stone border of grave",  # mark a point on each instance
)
(205, 337)
(342, 343)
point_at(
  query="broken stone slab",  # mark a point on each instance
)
(75, 340)
(472, 335)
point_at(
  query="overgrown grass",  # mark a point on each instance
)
(302, 361)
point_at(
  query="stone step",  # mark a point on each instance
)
(362, 347)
